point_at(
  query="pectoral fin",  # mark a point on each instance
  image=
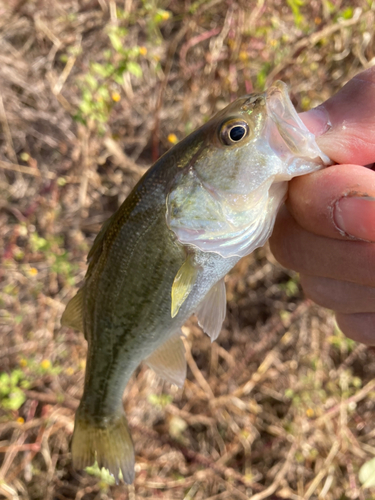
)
(169, 361)
(212, 310)
(72, 316)
(183, 284)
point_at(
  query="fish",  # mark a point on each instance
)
(163, 255)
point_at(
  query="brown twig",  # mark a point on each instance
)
(52, 399)
(227, 472)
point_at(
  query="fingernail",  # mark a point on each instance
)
(354, 216)
(317, 120)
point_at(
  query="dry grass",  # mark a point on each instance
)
(282, 406)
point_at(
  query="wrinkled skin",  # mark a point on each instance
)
(327, 229)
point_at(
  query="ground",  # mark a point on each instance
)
(92, 92)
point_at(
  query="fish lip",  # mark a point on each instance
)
(280, 108)
(279, 89)
(287, 134)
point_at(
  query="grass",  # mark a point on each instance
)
(282, 405)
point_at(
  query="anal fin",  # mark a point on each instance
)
(169, 362)
(212, 310)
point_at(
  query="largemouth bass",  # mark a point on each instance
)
(163, 256)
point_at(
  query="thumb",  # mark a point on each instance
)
(345, 123)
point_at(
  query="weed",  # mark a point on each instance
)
(12, 395)
(296, 5)
(160, 400)
(104, 477)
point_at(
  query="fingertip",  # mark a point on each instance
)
(282, 244)
(345, 123)
(354, 216)
(323, 202)
(341, 296)
(359, 327)
(317, 120)
(368, 75)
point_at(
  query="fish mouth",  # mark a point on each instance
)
(286, 132)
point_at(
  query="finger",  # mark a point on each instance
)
(337, 202)
(359, 327)
(345, 123)
(305, 252)
(340, 296)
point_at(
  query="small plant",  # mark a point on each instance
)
(160, 400)
(290, 287)
(105, 479)
(295, 5)
(262, 76)
(12, 387)
(101, 85)
(340, 342)
(55, 254)
(347, 13)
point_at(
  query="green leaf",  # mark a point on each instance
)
(295, 6)
(103, 474)
(16, 376)
(100, 69)
(262, 75)
(85, 107)
(161, 400)
(4, 379)
(161, 15)
(135, 69)
(14, 400)
(118, 79)
(367, 473)
(115, 41)
(38, 243)
(90, 79)
(347, 13)
(330, 7)
(103, 92)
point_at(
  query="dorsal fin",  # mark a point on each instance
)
(72, 315)
(168, 361)
(212, 310)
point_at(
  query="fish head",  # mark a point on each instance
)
(227, 197)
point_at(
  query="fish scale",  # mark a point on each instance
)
(163, 256)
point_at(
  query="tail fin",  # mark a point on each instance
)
(108, 442)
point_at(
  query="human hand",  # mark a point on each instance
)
(326, 231)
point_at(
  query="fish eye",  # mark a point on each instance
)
(233, 132)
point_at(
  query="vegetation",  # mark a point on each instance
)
(92, 92)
